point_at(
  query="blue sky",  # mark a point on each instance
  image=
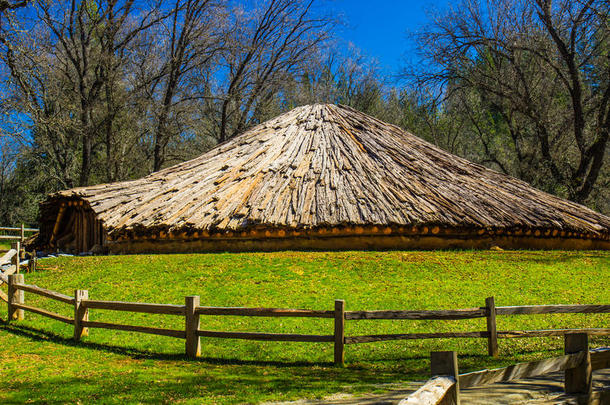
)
(379, 27)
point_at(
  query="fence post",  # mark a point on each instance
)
(339, 332)
(492, 338)
(15, 297)
(446, 364)
(193, 341)
(578, 379)
(32, 262)
(22, 235)
(80, 314)
(16, 259)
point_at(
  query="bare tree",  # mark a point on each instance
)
(268, 45)
(541, 69)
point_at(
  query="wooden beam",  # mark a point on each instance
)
(339, 335)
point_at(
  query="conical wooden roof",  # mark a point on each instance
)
(328, 166)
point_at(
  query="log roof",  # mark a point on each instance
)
(328, 165)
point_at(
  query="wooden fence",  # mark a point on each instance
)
(192, 311)
(22, 230)
(578, 363)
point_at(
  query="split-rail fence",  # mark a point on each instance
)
(21, 231)
(192, 311)
(578, 363)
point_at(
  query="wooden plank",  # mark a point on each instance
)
(431, 393)
(551, 332)
(553, 309)
(277, 337)
(81, 314)
(433, 314)
(166, 309)
(34, 289)
(600, 359)
(44, 312)
(133, 328)
(10, 237)
(6, 258)
(578, 379)
(269, 312)
(492, 337)
(520, 370)
(193, 341)
(4, 228)
(446, 364)
(406, 336)
(339, 334)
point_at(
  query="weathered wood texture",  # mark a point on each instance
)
(277, 337)
(432, 392)
(15, 297)
(492, 333)
(323, 170)
(166, 309)
(446, 364)
(406, 336)
(553, 309)
(600, 359)
(8, 256)
(578, 379)
(551, 332)
(521, 370)
(193, 341)
(268, 312)
(34, 289)
(44, 312)
(418, 315)
(339, 349)
(81, 314)
(134, 328)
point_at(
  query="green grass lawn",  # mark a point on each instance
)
(5, 245)
(40, 363)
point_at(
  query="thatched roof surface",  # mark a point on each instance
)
(328, 165)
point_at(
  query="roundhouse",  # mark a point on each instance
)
(318, 177)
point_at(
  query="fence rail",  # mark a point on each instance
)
(20, 237)
(192, 312)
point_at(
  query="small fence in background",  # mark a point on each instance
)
(578, 363)
(16, 233)
(192, 311)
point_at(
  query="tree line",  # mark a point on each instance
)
(99, 91)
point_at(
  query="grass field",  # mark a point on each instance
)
(40, 363)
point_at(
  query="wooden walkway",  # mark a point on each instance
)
(544, 390)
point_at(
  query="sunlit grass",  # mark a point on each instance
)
(39, 361)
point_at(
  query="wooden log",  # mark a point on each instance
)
(600, 359)
(553, 309)
(166, 309)
(520, 371)
(15, 298)
(445, 364)
(16, 259)
(551, 332)
(578, 379)
(432, 314)
(8, 257)
(276, 337)
(407, 336)
(339, 335)
(431, 393)
(34, 289)
(492, 337)
(193, 341)
(133, 328)
(268, 312)
(32, 263)
(81, 314)
(44, 312)
(22, 234)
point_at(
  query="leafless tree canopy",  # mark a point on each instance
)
(533, 79)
